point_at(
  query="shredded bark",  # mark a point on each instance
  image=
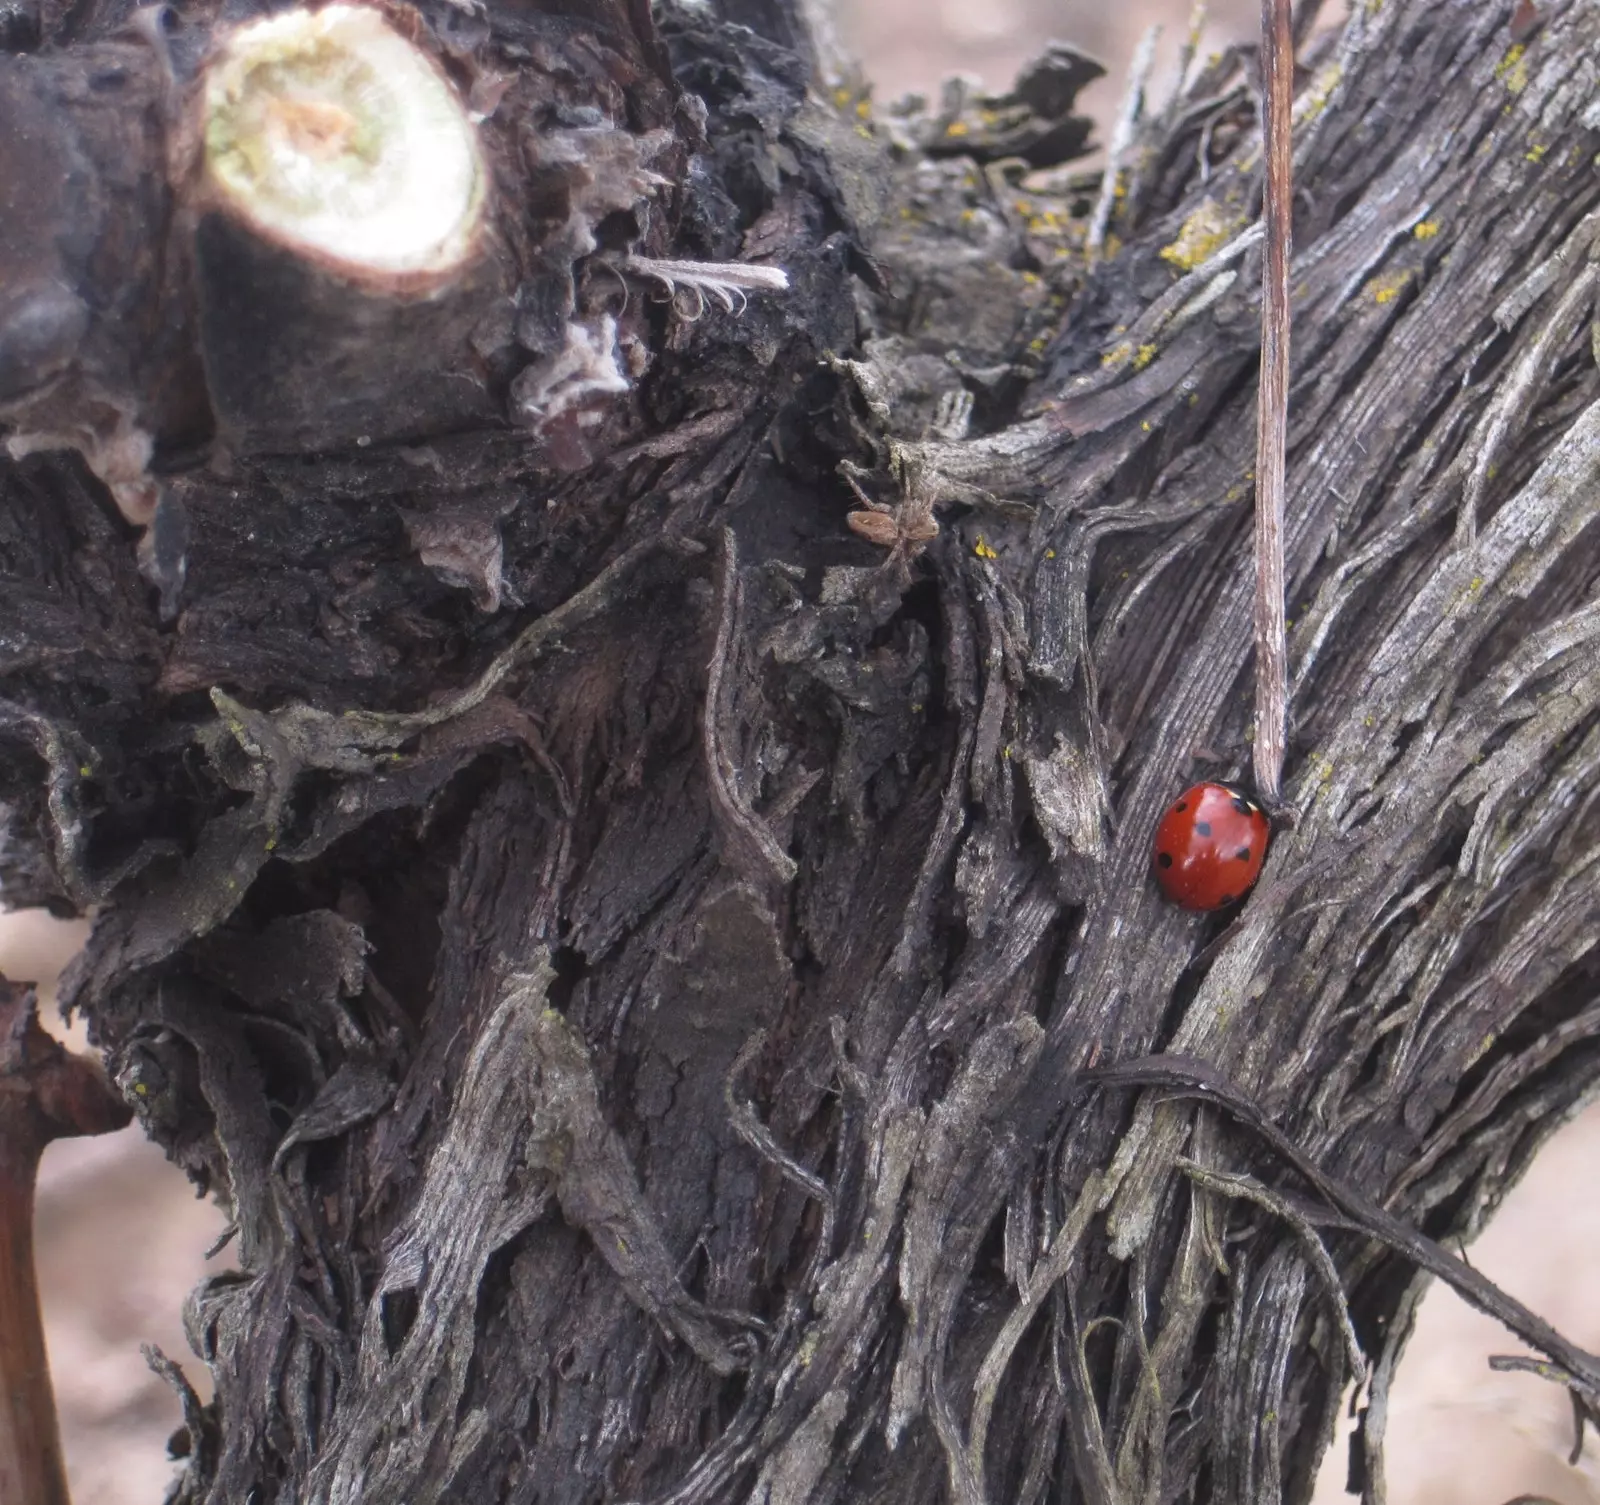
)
(634, 890)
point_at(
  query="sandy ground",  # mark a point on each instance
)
(122, 1239)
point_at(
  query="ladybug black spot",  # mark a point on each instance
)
(1163, 859)
(1202, 828)
(1181, 805)
(1243, 854)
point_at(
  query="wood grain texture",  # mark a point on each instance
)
(798, 1183)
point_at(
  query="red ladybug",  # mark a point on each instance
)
(1210, 846)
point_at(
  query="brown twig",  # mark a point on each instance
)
(45, 1093)
(1272, 411)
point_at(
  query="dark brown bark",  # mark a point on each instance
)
(670, 988)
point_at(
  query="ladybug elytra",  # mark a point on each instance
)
(1210, 846)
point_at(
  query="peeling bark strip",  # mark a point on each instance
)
(524, 1124)
(673, 998)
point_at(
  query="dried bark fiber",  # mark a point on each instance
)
(675, 1002)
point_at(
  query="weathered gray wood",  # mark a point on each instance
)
(671, 987)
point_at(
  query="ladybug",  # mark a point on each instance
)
(1210, 846)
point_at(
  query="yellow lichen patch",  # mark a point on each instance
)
(1204, 233)
(1536, 153)
(1512, 69)
(1426, 230)
(1144, 355)
(983, 551)
(1038, 221)
(1118, 355)
(956, 128)
(1388, 287)
(1315, 99)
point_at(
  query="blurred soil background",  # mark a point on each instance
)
(122, 1238)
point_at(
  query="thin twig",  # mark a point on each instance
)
(1187, 52)
(1272, 411)
(1198, 13)
(1121, 140)
(46, 1093)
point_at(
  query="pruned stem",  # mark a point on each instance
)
(342, 250)
(330, 132)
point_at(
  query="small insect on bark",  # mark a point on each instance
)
(902, 529)
(886, 527)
